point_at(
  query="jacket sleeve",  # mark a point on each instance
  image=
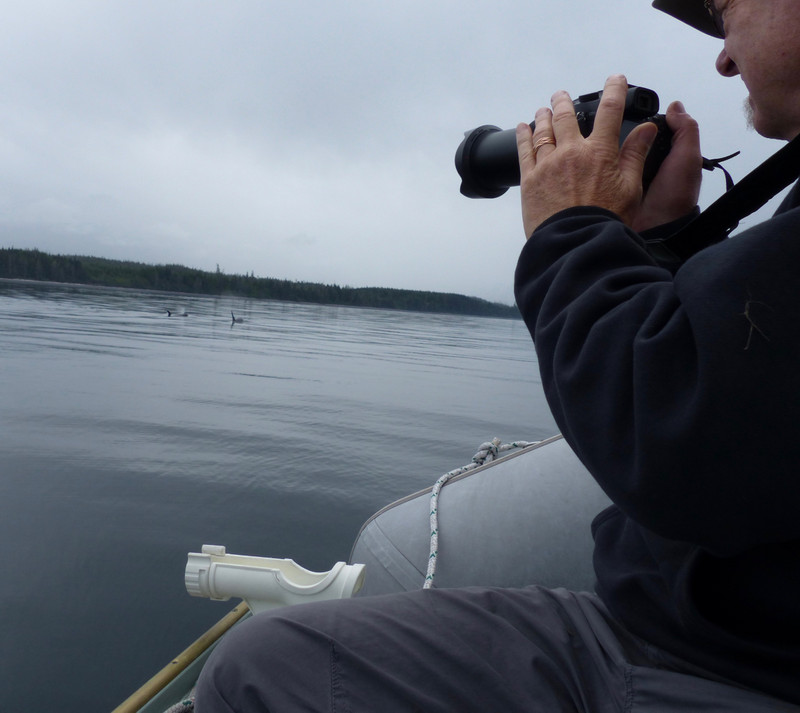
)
(680, 393)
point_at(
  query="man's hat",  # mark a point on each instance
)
(692, 12)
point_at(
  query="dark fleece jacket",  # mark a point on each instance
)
(681, 395)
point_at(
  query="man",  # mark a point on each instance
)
(695, 372)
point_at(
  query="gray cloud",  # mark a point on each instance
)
(309, 140)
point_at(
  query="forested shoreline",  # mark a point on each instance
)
(27, 264)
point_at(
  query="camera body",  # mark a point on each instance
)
(487, 159)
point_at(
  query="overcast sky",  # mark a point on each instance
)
(311, 140)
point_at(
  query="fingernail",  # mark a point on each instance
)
(679, 107)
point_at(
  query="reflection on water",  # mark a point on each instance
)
(131, 437)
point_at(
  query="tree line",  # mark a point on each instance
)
(37, 265)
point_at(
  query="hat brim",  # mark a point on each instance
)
(692, 12)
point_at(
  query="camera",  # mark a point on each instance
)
(487, 159)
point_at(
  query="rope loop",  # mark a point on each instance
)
(487, 452)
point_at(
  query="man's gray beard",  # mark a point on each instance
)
(748, 113)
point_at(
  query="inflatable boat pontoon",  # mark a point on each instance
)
(521, 519)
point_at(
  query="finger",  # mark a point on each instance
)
(608, 120)
(676, 111)
(565, 125)
(525, 149)
(635, 149)
(685, 132)
(679, 176)
(543, 137)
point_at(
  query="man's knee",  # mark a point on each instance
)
(262, 662)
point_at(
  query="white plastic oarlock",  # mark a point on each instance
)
(266, 582)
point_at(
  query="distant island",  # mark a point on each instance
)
(37, 265)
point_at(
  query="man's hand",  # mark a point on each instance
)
(560, 169)
(675, 190)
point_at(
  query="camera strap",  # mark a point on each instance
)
(717, 221)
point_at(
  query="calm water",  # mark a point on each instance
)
(129, 438)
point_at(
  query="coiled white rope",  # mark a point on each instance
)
(486, 453)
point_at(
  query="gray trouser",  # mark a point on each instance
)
(456, 651)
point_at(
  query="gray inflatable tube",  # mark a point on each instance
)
(519, 520)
